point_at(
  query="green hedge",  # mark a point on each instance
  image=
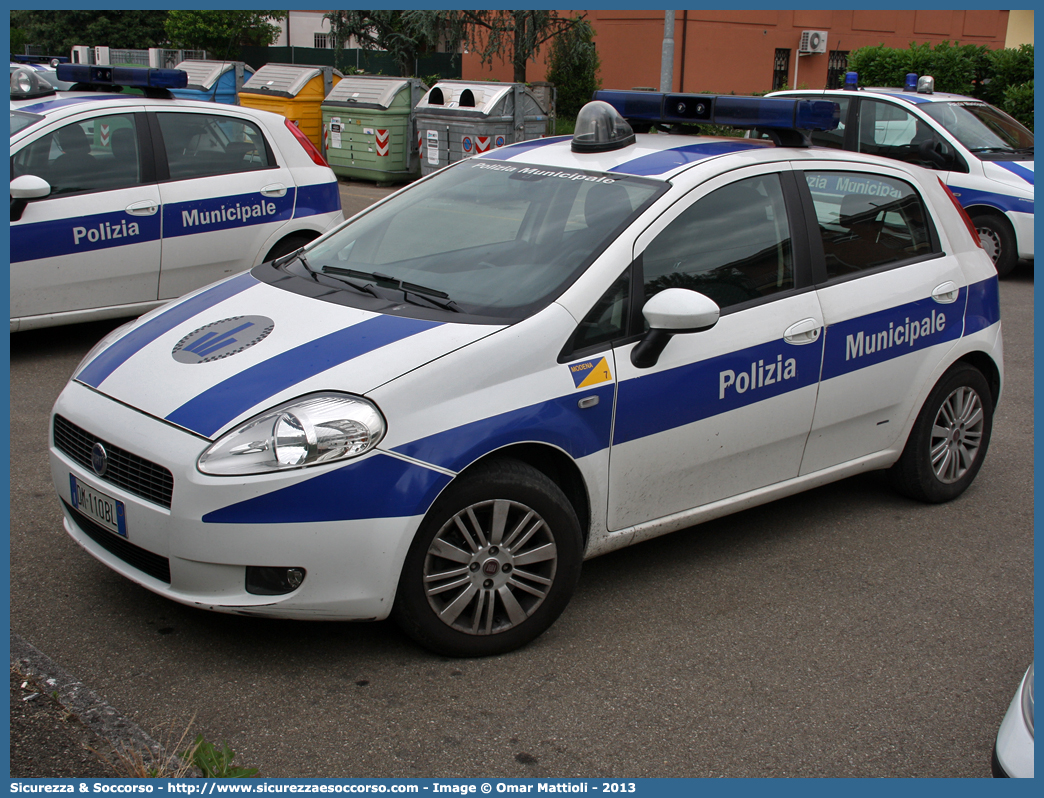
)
(1001, 77)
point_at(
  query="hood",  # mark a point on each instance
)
(234, 349)
(1018, 174)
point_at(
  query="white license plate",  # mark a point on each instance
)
(106, 510)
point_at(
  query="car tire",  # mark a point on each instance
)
(998, 240)
(493, 564)
(949, 439)
(288, 245)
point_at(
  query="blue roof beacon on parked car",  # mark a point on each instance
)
(123, 197)
(534, 356)
(983, 154)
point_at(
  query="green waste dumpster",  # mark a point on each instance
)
(457, 119)
(368, 129)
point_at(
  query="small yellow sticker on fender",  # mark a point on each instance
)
(590, 372)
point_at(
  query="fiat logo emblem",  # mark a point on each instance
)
(99, 459)
(491, 567)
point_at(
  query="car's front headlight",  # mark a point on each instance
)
(315, 429)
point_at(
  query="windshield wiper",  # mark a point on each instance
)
(432, 296)
(345, 276)
(992, 149)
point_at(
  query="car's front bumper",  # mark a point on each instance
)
(352, 566)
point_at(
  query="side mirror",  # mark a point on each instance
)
(23, 189)
(670, 312)
(29, 187)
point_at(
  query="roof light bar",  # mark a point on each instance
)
(50, 60)
(131, 77)
(786, 120)
(742, 112)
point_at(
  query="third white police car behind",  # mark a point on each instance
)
(532, 357)
(120, 202)
(983, 154)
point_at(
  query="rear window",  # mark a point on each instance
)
(867, 221)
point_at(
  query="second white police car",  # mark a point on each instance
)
(121, 202)
(983, 154)
(532, 357)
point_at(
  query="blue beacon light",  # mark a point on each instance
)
(911, 82)
(851, 81)
(131, 77)
(785, 119)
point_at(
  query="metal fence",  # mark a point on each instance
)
(168, 59)
(128, 56)
(443, 65)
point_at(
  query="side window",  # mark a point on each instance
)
(97, 154)
(607, 320)
(890, 131)
(199, 145)
(867, 221)
(732, 245)
(832, 138)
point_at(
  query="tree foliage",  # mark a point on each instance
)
(573, 68)
(1001, 77)
(390, 31)
(222, 33)
(58, 31)
(514, 36)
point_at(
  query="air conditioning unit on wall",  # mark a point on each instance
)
(813, 41)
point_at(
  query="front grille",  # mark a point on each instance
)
(145, 561)
(135, 474)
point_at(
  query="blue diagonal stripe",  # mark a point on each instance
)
(1017, 169)
(212, 409)
(657, 163)
(120, 352)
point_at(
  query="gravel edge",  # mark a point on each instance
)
(88, 707)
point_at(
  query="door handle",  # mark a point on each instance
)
(805, 331)
(946, 293)
(143, 208)
(274, 190)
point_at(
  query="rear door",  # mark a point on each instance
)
(726, 410)
(893, 304)
(224, 193)
(95, 240)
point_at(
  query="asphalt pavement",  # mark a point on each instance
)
(843, 632)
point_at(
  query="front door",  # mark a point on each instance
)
(726, 410)
(94, 241)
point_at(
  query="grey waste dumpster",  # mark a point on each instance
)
(457, 119)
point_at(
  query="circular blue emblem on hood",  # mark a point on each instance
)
(222, 339)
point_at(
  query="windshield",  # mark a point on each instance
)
(484, 237)
(981, 127)
(21, 120)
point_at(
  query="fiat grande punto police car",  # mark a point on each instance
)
(983, 154)
(531, 357)
(121, 202)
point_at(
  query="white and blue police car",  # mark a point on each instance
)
(983, 154)
(1014, 747)
(121, 202)
(534, 356)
